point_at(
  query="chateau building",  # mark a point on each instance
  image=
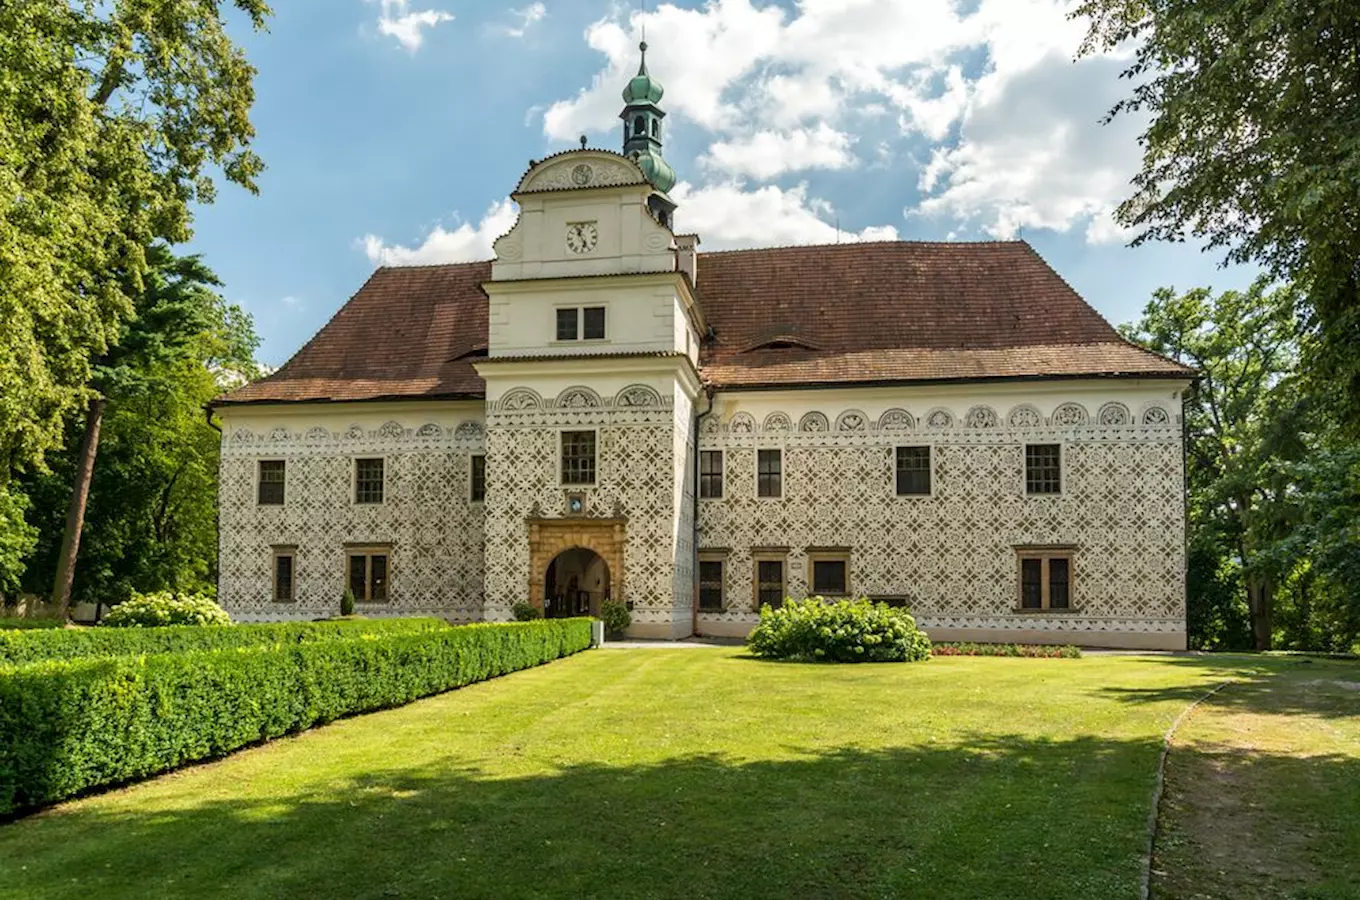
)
(604, 412)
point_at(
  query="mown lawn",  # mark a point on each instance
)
(667, 774)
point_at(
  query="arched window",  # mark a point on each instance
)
(656, 128)
(640, 126)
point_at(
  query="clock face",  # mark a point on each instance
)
(582, 237)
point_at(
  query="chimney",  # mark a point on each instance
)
(687, 255)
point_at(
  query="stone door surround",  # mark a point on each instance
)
(549, 537)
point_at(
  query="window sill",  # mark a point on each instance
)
(1057, 611)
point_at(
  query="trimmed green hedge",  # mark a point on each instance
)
(70, 725)
(818, 630)
(20, 647)
(8, 622)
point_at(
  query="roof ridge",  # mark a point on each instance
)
(854, 244)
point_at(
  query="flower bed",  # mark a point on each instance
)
(70, 725)
(1036, 651)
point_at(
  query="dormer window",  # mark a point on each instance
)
(781, 342)
(580, 323)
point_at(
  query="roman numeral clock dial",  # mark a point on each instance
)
(582, 237)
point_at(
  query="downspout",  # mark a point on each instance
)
(694, 548)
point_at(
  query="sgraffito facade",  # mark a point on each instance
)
(604, 414)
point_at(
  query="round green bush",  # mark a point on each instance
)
(615, 616)
(815, 630)
(164, 608)
(524, 611)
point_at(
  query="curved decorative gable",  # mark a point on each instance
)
(577, 169)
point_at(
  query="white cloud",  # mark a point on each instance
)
(527, 16)
(1031, 155)
(767, 154)
(465, 243)
(396, 19)
(727, 215)
(989, 96)
(291, 302)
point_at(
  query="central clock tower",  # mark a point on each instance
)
(591, 379)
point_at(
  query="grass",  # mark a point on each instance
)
(1263, 791)
(664, 773)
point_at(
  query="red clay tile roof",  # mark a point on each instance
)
(884, 312)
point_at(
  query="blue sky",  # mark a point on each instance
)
(393, 131)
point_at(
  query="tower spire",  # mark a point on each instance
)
(642, 115)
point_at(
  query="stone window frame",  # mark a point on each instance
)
(827, 554)
(354, 481)
(475, 495)
(370, 550)
(769, 554)
(758, 494)
(711, 556)
(930, 472)
(260, 482)
(578, 312)
(1045, 553)
(277, 552)
(720, 475)
(1061, 487)
(595, 455)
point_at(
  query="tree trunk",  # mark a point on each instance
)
(1258, 602)
(75, 513)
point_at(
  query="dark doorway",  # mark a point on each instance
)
(576, 583)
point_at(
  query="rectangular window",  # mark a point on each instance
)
(368, 480)
(829, 571)
(592, 321)
(711, 585)
(1043, 468)
(710, 474)
(769, 473)
(769, 583)
(566, 324)
(1045, 578)
(368, 575)
(478, 478)
(578, 457)
(913, 471)
(285, 575)
(271, 482)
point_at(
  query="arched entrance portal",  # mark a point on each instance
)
(575, 584)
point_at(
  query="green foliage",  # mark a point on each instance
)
(151, 522)
(1274, 481)
(17, 537)
(19, 648)
(113, 119)
(1252, 146)
(347, 602)
(843, 631)
(615, 616)
(1027, 651)
(164, 608)
(26, 622)
(524, 611)
(68, 726)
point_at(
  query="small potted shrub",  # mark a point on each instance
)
(616, 617)
(524, 611)
(347, 603)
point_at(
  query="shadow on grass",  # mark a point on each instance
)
(999, 817)
(1254, 679)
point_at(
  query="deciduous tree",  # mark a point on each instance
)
(112, 116)
(1253, 144)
